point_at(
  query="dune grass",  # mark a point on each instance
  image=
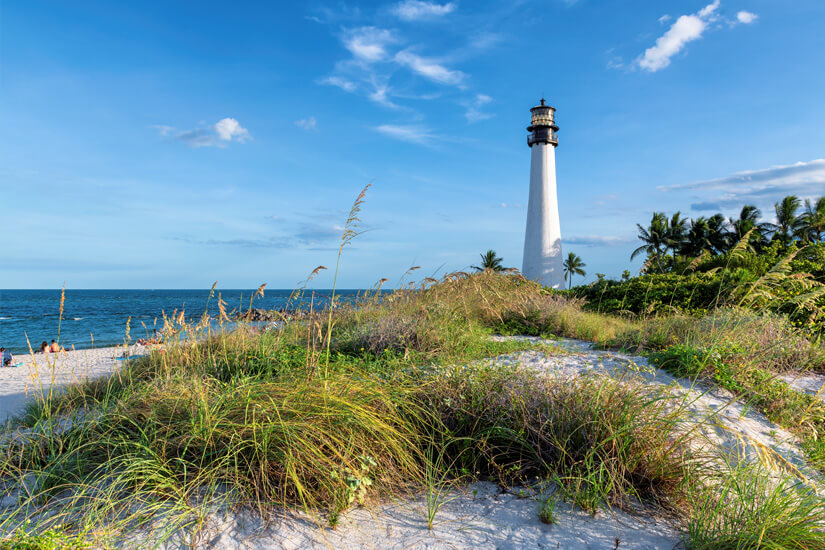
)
(373, 399)
(746, 509)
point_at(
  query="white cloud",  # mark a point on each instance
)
(760, 187)
(664, 19)
(473, 112)
(368, 43)
(225, 130)
(687, 28)
(412, 10)
(380, 95)
(746, 17)
(710, 9)
(307, 123)
(343, 83)
(229, 129)
(409, 133)
(429, 68)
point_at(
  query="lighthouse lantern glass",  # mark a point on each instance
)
(542, 116)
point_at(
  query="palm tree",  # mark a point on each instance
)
(676, 232)
(697, 238)
(787, 224)
(573, 265)
(655, 238)
(812, 220)
(489, 260)
(717, 234)
(747, 220)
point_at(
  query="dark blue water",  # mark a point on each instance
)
(96, 318)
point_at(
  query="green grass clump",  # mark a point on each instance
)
(747, 509)
(51, 539)
(547, 510)
(605, 442)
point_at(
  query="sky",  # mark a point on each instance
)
(173, 144)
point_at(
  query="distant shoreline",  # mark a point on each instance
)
(18, 384)
(94, 318)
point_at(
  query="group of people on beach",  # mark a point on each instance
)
(156, 338)
(7, 359)
(54, 347)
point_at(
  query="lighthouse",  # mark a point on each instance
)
(542, 238)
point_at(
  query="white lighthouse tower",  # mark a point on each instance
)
(542, 239)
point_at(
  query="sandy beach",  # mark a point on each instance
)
(40, 372)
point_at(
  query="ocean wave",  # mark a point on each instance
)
(4, 318)
(77, 318)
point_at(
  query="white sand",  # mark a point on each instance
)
(481, 515)
(41, 372)
(807, 382)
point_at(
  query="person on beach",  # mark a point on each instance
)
(44, 347)
(55, 347)
(6, 357)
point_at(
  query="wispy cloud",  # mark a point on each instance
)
(506, 205)
(685, 29)
(368, 44)
(381, 60)
(596, 240)
(429, 68)
(293, 233)
(307, 123)
(474, 112)
(706, 206)
(413, 10)
(759, 186)
(219, 134)
(409, 133)
(381, 94)
(163, 129)
(272, 242)
(664, 19)
(340, 82)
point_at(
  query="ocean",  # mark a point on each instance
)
(97, 318)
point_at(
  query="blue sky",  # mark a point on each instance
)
(169, 145)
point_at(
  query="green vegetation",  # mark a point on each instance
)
(547, 510)
(694, 267)
(386, 396)
(51, 539)
(259, 419)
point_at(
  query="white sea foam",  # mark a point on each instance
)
(77, 318)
